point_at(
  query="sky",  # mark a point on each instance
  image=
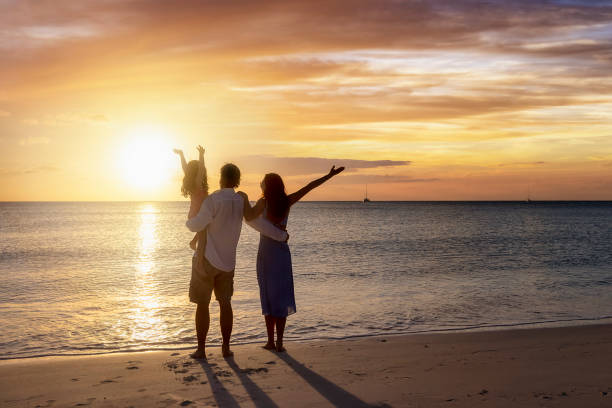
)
(420, 100)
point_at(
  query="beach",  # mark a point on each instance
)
(560, 367)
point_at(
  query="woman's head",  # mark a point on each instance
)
(189, 180)
(273, 190)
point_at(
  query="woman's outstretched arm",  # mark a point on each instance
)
(297, 196)
(183, 161)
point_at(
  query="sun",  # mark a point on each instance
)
(146, 160)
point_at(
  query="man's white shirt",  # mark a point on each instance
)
(222, 213)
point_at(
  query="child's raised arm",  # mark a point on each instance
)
(183, 161)
(201, 170)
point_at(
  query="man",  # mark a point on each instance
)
(213, 265)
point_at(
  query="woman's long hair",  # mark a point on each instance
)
(276, 198)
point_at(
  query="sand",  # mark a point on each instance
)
(556, 367)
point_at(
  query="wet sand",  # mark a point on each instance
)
(558, 367)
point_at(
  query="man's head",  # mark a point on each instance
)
(230, 176)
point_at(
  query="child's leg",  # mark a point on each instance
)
(194, 242)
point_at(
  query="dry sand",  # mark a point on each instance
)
(560, 367)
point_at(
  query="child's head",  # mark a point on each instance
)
(189, 180)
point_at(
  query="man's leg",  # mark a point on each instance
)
(280, 331)
(226, 318)
(270, 321)
(202, 322)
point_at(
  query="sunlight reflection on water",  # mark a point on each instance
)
(146, 321)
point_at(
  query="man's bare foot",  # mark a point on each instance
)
(279, 347)
(225, 350)
(199, 354)
(269, 346)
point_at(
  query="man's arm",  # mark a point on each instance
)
(264, 226)
(203, 218)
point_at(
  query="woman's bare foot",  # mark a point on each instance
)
(199, 354)
(225, 350)
(269, 346)
(279, 347)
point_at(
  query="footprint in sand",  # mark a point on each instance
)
(175, 354)
(83, 404)
(249, 371)
(107, 381)
(132, 368)
(224, 373)
(49, 403)
(190, 378)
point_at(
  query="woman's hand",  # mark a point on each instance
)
(335, 171)
(177, 151)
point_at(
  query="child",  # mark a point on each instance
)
(195, 185)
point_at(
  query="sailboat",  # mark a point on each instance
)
(529, 195)
(366, 199)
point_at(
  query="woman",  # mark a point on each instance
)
(274, 272)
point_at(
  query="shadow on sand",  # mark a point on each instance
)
(258, 396)
(221, 394)
(336, 395)
(223, 397)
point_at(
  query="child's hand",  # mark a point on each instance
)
(177, 151)
(200, 149)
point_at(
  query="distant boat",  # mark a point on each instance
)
(366, 199)
(529, 195)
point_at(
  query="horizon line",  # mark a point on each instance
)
(325, 201)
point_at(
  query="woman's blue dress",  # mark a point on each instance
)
(275, 277)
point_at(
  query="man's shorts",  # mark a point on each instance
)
(205, 278)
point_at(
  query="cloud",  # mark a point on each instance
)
(522, 164)
(308, 65)
(65, 119)
(382, 179)
(34, 140)
(98, 118)
(293, 166)
(30, 170)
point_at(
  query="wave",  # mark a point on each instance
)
(470, 328)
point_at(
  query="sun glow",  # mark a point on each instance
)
(146, 159)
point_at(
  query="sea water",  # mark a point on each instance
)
(79, 278)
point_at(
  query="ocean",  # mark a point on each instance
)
(84, 278)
